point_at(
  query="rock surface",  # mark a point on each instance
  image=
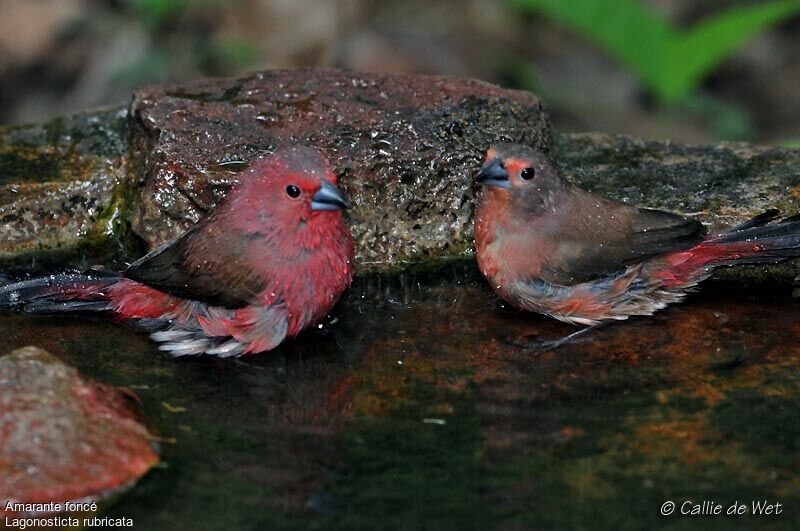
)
(406, 148)
(57, 182)
(719, 185)
(63, 437)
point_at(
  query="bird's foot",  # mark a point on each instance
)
(537, 347)
(540, 347)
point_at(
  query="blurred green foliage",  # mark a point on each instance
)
(792, 144)
(181, 42)
(155, 12)
(232, 52)
(668, 61)
(727, 120)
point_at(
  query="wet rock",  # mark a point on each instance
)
(63, 437)
(719, 185)
(57, 183)
(405, 147)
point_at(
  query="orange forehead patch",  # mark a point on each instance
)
(515, 165)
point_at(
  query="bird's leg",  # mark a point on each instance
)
(539, 347)
(569, 338)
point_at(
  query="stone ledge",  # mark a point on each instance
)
(405, 146)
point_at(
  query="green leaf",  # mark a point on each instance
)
(627, 29)
(668, 61)
(698, 51)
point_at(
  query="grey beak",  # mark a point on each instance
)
(493, 174)
(328, 197)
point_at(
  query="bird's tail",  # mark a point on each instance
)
(59, 293)
(761, 240)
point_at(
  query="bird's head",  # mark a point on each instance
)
(294, 186)
(518, 171)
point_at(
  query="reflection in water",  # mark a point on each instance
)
(410, 406)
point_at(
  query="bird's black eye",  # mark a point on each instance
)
(527, 173)
(292, 191)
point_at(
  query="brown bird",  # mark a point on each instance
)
(547, 246)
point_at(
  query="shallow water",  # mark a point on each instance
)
(412, 409)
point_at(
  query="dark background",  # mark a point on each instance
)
(61, 56)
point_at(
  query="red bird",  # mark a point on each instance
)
(547, 246)
(268, 262)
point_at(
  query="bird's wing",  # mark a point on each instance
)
(201, 264)
(621, 235)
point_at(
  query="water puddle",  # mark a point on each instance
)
(412, 409)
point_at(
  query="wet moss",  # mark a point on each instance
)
(98, 133)
(25, 165)
(56, 179)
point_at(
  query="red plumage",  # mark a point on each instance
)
(268, 262)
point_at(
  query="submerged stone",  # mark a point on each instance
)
(63, 437)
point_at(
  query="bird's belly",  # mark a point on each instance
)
(317, 286)
(490, 260)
